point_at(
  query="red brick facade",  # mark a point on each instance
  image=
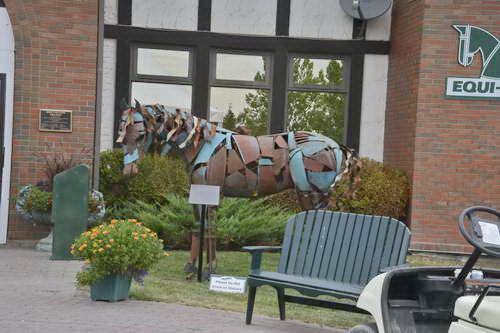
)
(56, 55)
(449, 147)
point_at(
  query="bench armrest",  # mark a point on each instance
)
(261, 249)
(256, 252)
(391, 268)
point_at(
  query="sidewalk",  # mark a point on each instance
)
(39, 295)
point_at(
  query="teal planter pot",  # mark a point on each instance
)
(111, 288)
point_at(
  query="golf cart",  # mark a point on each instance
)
(441, 299)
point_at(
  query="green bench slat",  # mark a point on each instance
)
(304, 242)
(309, 282)
(359, 259)
(330, 241)
(316, 244)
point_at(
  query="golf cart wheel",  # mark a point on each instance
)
(364, 328)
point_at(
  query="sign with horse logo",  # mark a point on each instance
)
(487, 86)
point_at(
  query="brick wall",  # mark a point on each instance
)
(55, 69)
(456, 159)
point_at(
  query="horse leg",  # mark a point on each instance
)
(190, 267)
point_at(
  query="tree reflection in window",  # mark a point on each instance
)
(308, 109)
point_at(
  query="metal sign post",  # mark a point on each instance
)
(203, 195)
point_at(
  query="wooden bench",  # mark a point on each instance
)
(329, 253)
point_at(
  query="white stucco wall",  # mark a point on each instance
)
(165, 14)
(111, 11)
(6, 67)
(379, 28)
(253, 17)
(373, 106)
(319, 19)
(108, 94)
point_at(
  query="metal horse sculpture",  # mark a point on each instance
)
(242, 165)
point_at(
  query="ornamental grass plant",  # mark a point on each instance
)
(121, 247)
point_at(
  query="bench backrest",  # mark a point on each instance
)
(342, 246)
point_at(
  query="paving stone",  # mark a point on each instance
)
(39, 295)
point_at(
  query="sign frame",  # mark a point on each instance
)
(48, 129)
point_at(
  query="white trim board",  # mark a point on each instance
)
(7, 67)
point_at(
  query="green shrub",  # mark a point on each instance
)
(238, 221)
(249, 222)
(157, 176)
(173, 220)
(383, 190)
(38, 200)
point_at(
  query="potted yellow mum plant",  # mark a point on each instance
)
(115, 253)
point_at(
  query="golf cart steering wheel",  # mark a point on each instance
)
(483, 232)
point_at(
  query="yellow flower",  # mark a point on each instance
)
(105, 232)
(101, 249)
(166, 254)
(72, 251)
(114, 221)
(87, 261)
(147, 229)
(144, 235)
(135, 233)
(94, 251)
(101, 226)
(161, 240)
(72, 246)
(111, 240)
(136, 238)
(132, 220)
(95, 244)
(83, 246)
(108, 245)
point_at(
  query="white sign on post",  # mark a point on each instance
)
(204, 195)
(228, 284)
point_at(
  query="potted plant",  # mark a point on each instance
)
(115, 253)
(34, 204)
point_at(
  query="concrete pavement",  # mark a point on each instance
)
(39, 295)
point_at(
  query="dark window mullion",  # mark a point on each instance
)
(319, 88)
(283, 18)
(125, 12)
(239, 84)
(161, 79)
(279, 92)
(201, 72)
(122, 83)
(353, 124)
(204, 14)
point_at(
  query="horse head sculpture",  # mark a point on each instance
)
(243, 165)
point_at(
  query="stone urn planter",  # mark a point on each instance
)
(38, 211)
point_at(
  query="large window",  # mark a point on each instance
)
(240, 85)
(317, 95)
(162, 75)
